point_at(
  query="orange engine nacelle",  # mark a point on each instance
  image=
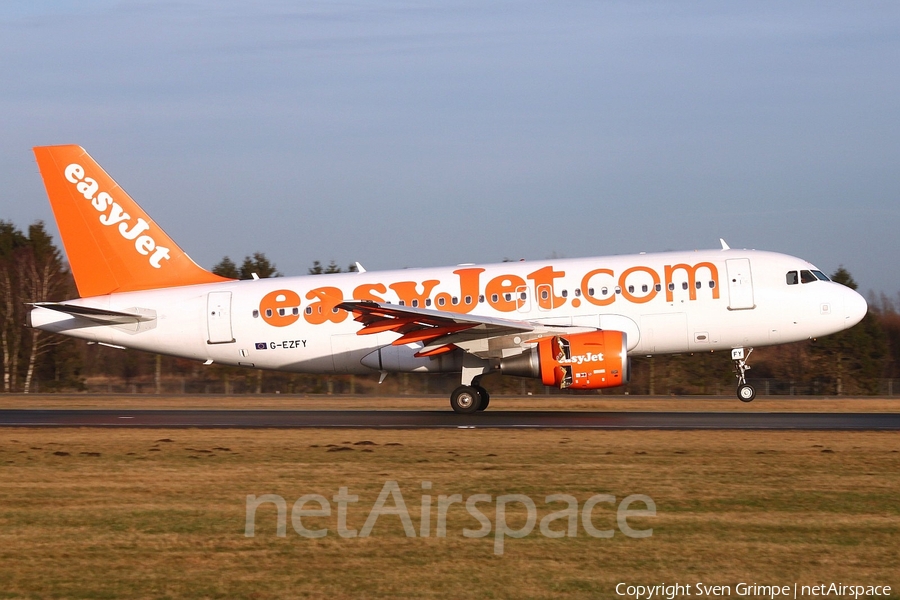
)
(581, 361)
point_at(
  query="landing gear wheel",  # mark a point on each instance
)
(485, 397)
(746, 392)
(465, 400)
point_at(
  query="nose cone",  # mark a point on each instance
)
(855, 308)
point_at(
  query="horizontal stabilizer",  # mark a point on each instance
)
(99, 315)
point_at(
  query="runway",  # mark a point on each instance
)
(406, 419)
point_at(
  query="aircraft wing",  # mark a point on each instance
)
(438, 330)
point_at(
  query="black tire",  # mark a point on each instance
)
(465, 400)
(746, 393)
(485, 397)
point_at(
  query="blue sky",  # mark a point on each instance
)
(406, 134)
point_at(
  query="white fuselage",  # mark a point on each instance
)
(665, 303)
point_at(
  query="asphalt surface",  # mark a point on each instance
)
(404, 419)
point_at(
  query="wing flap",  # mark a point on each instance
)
(443, 331)
(438, 330)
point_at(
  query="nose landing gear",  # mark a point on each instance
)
(745, 391)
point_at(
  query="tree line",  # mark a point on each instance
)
(864, 360)
(31, 270)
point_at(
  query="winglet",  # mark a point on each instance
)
(111, 243)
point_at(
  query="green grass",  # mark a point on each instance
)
(148, 518)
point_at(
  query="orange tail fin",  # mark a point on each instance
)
(111, 243)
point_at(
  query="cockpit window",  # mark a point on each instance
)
(795, 277)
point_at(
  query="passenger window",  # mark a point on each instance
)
(792, 278)
(441, 301)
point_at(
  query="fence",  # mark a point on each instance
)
(416, 384)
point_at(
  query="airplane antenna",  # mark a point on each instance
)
(360, 268)
(724, 245)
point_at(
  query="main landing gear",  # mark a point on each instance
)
(745, 391)
(468, 399)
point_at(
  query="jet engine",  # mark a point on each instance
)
(581, 361)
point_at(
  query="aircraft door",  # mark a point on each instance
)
(544, 297)
(218, 318)
(523, 299)
(740, 284)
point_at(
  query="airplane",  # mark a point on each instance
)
(572, 323)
